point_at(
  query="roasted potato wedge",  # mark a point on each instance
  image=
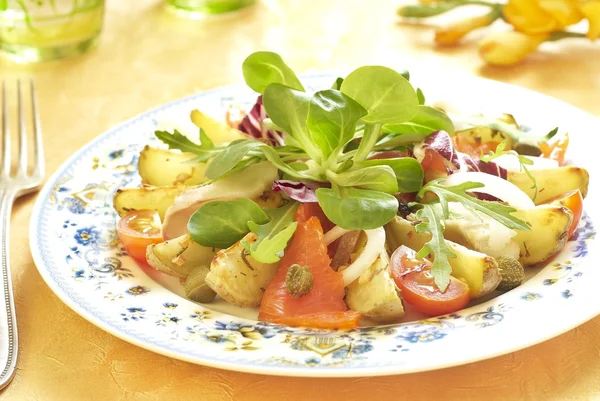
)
(151, 198)
(552, 182)
(218, 132)
(374, 294)
(478, 270)
(161, 167)
(178, 257)
(549, 232)
(481, 134)
(237, 277)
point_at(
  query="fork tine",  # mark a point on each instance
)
(37, 129)
(22, 133)
(5, 133)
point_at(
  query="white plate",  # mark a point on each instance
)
(76, 250)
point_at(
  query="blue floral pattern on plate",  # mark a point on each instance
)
(76, 249)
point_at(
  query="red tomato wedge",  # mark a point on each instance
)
(138, 229)
(572, 200)
(433, 165)
(324, 306)
(414, 279)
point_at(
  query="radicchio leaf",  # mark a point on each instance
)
(252, 125)
(301, 191)
(441, 142)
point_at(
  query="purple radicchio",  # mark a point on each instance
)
(301, 191)
(253, 125)
(441, 142)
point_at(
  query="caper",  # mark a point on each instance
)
(527, 148)
(298, 280)
(195, 285)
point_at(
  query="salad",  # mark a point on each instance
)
(356, 202)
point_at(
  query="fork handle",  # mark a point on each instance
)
(8, 321)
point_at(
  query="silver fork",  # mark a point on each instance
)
(13, 186)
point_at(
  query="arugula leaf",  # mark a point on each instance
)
(274, 235)
(357, 209)
(497, 211)
(432, 221)
(385, 93)
(332, 118)
(408, 171)
(205, 142)
(229, 157)
(377, 178)
(221, 224)
(426, 121)
(176, 140)
(261, 69)
(288, 108)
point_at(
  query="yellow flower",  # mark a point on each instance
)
(509, 47)
(591, 11)
(542, 16)
(453, 33)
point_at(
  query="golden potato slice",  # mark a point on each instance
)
(161, 167)
(374, 294)
(146, 198)
(178, 257)
(218, 132)
(237, 277)
(552, 182)
(549, 231)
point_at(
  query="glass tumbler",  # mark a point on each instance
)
(198, 8)
(40, 30)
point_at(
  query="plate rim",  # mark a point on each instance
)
(35, 249)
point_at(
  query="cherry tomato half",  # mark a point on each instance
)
(138, 229)
(572, 200)
(414, 279)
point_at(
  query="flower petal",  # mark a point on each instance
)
(565, 12)
(591, 11)
(527, 16)
(508, 47)
(453, 33)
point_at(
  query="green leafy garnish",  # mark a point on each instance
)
(420, 96)
(264, 68)
(229, 157)
(458, 193)
(426, 121)
(357, 209)
(433, 221)
(274, 235)
(177, 140)
(221, 224)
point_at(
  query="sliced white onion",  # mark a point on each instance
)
(495, 186)
(335, 233)
(375, 243)
(511, 163)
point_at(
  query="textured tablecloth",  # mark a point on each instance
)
(147, 57)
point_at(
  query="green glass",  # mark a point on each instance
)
(41, 30)
(199, 7)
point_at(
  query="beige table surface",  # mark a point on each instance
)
(146, 58)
